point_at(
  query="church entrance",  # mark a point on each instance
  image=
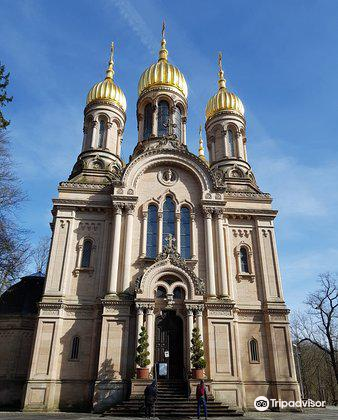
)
(169, 345)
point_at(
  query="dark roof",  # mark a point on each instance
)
(22, 297)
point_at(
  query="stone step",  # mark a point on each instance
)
(172, 402)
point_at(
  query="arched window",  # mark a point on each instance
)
(243, 254)
(102, 133)
(148, 121)
(168, 219)
(179, 293)
(74, 354)
(88, 132)
(231, 143)
(253, 348)
(162, 118)
(86, 253)
(152, 232)
(161, 293)
(178, 122)
(185, 233)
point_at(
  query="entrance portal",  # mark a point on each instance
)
(169, 338)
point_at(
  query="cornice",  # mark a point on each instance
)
(78, 186)
(244, 195)
(265, 311)
(85, 203)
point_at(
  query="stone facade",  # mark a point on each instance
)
(103, 285)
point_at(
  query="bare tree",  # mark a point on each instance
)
(315, 372)
(41, 253)
(14, 246)
(318, 325)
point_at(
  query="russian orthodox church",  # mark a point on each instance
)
(170, 235)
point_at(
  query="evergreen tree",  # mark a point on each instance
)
(142, 349)
(197, 352)
(4, 99)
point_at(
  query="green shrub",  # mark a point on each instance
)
(197, 352)
(142, 349)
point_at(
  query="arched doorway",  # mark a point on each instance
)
(169, 338)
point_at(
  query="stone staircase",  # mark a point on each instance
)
(172, 402)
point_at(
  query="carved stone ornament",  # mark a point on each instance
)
(167, 177)
(169, 255)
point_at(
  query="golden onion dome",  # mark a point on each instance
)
(107, 90)
(223, 100)
(163, 73)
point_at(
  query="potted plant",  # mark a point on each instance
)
(142, 361)
(197, 355)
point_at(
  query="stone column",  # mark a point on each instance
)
(184, 130)
(229, 253)
(213, 152)
(244, 148)
(209, 252)
(224, 142)
(154, 122)
(223, 285)
(150, 322)
(190, 324)
(94, 135)
(118, 142)
(178, 231)
(144, 234)
(109, 136)
(199, 320)
(128, 246)
(85, 146)
(160, 231)
(139, 322)
(193, 239)
(240, 146)
(115, 250)
(140, 126)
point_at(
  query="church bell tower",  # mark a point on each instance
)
(226, 139)
(162, 104)
(104, 122)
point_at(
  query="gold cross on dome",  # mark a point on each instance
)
(220, 61)
(163, 29)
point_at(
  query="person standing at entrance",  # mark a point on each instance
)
(150, 397)
(201, 397)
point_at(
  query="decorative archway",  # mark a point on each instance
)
(169, 263)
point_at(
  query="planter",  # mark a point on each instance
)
(142, 373)
(197, 373)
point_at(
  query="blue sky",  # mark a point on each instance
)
(280, 57)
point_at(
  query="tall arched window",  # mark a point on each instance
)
(231, 141)
(253, 348)
(243, 254)
(179, 293)
(168, 219)
(86, 253)
(148, 121)
(162, 118)
(152, 231)
(88, 132)
(102, 133)
(74, 354)
(178, 122)
(161, 292)
(185, 233)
